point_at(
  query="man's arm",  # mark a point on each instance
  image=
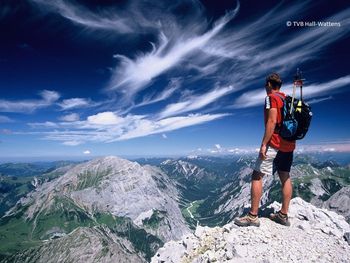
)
(269, 130)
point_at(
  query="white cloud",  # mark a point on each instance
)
(174, 85)
(318, 89)
(72, 143)
(252, 46)
(239, 55)
(73, 103)
(164, 136)
(256, 97)
(87, 152)
(107, 127)
(195, 102)
(194, 46)
(104, 118)
(70, 117)
(146, 127)
(318, 100)
(48, 97)
(132, 76)
(82, 16)
(221, 150)
(341, 146)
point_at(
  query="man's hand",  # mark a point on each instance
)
(262, 152)
(269, 129)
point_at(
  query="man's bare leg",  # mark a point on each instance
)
(256, 192)
(287, 190)
(251, 219)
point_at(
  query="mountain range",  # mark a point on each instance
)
(128, 209)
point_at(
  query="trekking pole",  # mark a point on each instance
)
(298, 81)
(293, 96)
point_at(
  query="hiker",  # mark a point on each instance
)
(276, 154)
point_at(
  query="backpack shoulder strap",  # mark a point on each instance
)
(279, 95)
(279, 125)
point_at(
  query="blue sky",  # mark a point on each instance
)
(134, 78)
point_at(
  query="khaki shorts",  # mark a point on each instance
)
(266, 166)
(275, 161)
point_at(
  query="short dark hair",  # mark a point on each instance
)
(275, 80)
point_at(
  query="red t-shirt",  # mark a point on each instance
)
(276, 141)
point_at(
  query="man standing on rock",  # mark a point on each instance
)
(276, 154)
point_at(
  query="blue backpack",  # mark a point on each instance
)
(296, 118)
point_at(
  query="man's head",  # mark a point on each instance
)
(273, 82)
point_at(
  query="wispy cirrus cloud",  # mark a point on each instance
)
(221, 53)
(239, 54)
(256, 44)
(174, 85)
(70, 117)
(195, 102)
(74, 103)
(109, 127)
(80, 15)
(48, 98)
(132, 76)
(146, 127)
(134, 17)
(318, 100)
(256, 97)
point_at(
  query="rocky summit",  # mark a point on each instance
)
(316, 235)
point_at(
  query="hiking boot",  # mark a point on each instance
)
(247, 220)
(280, 218)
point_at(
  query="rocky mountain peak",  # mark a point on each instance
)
(316, 235)
(107, 162)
